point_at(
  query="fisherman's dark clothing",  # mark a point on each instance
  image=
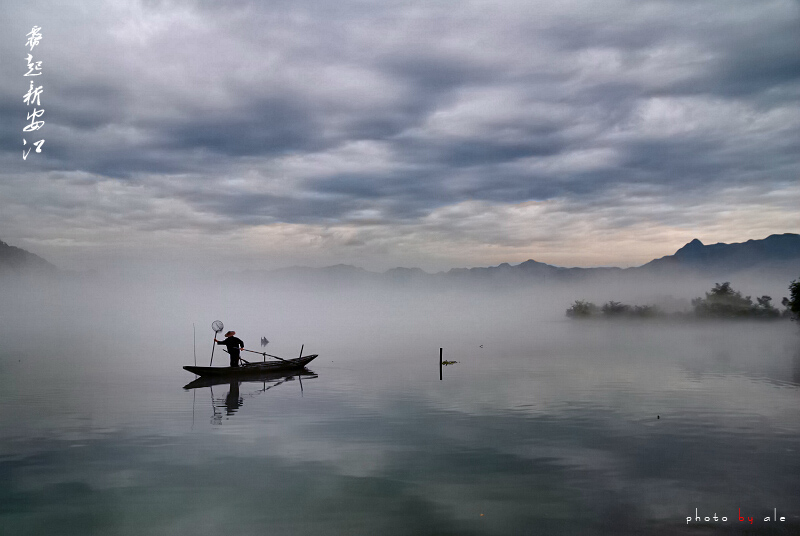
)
(233, 344)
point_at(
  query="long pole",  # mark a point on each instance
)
(217, 326)
(194, 396)
(299, 377)
(194, 345)
(440, 364)
(264, 354)
(213, 407)
(213, 346)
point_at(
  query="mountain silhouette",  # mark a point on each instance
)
(779, 253)
(775, 251)
(17, 261)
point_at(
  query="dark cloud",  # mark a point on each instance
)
(262, 127)
(431, 74)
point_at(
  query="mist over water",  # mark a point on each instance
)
(545, 425)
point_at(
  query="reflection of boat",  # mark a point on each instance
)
(251, 369)
(234, 399)
(265, 377)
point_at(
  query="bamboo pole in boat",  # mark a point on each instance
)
(264, 354)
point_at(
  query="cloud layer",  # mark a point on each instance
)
(379, 134)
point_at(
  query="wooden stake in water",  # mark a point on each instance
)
(299, 375)
(440, 364)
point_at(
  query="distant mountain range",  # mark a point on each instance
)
(776, 253)
(779, 254)
(17, 261)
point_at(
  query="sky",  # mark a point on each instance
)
(438, 134)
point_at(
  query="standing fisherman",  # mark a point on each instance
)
(233, 344)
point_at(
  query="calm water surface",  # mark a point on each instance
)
(563, 428)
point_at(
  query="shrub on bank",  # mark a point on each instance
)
(792, 303)
(612, 309)
(582, 309)
(721, 302)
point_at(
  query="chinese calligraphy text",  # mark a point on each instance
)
(34, 95)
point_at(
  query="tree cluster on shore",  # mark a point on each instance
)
(721, 302)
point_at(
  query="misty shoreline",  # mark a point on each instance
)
(722, 303)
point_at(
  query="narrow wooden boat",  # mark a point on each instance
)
(254, 368)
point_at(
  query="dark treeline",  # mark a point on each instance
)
(721, 302)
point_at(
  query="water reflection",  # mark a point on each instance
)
(555, 435)
(233, 400)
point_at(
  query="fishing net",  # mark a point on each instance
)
(217, 326)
